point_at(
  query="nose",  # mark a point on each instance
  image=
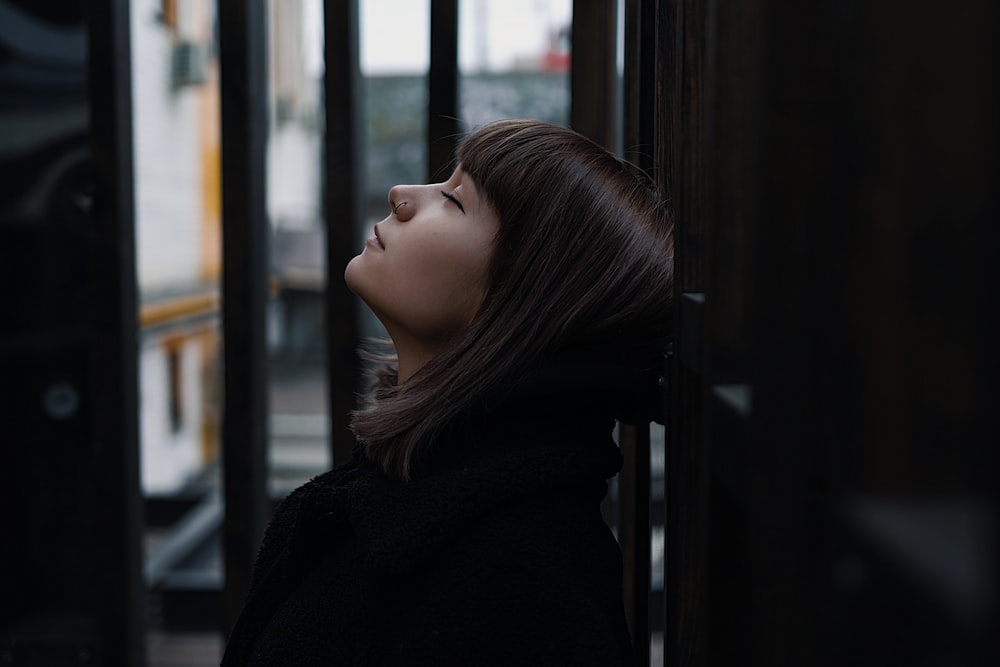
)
(403, 201)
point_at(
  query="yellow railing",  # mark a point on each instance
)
(175, 308)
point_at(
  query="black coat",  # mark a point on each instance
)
(497, 556)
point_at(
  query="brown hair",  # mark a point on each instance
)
(584, 254)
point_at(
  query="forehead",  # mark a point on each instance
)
(460, 179)
(459, 176)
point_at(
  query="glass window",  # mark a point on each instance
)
(299, 446)
(178, 227)
(514, 60)
(178, 232)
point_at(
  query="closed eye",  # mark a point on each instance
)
(452, 198)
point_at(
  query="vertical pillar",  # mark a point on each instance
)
(681, 130)
(633, 533)
(593, 71)
(639, 147)
(114, 378)
(342, 197)
(243, 66)
(443, 127)
(71, 590)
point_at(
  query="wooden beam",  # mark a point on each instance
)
(243, 67)
(117, 530)
(443, 127)
(342, 205)
(592, 71)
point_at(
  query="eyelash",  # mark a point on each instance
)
(451, 197)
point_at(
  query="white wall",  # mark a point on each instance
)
(168, 168)
(169, 458)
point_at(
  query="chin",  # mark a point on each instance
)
(351, 276)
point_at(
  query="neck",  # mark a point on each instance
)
(409, 364)
(411, 355)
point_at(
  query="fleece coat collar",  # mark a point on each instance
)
(399, 524)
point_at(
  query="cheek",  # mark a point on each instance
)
(433, 293)
(437, 300)
(430, 287)
(454, 265)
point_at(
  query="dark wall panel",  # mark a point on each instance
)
(834, 170)
(71, 589)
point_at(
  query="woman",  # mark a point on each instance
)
(527, 299)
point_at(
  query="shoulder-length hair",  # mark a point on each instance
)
(583, 255)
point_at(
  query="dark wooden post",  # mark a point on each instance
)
(633, 533)
(114, 380)
(592, 71)
(71, 591)
(245, 231)
(443, 126)
(638, 146)
(681, 138)
(343, 185)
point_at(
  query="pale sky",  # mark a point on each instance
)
(493, 34)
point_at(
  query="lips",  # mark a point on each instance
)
(378, 239)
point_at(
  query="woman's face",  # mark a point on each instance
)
(423, 272)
